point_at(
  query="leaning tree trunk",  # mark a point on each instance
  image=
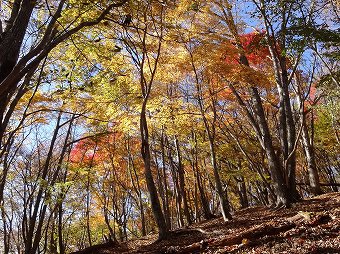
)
(307, 142)
(32, 232)
(224, 205)
(155, 204)
(177, 191)
(136, 185)
(258, 120)
(11, 40)
(210, 130)
(204, 201)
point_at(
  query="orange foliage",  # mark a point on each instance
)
(93, 152)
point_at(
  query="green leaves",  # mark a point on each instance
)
(316, 33)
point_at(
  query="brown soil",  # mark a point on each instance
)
(311, 226)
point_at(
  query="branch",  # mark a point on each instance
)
(43, 48)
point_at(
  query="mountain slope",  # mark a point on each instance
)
(310, 226)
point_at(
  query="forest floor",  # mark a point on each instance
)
(310, 226)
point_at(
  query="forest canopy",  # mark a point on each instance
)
(121, 118)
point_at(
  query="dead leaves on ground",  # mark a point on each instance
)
(311, 226)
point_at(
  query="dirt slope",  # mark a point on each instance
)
(311, 226)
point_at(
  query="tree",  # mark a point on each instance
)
(55, 30)
(160, 113)
(138, 47)
(282, 173)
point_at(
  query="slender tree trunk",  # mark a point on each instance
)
(279, 183)
(242, 192)
(6, 237)
(224, 204)
(33, 233)
(182, 183)
(155, 204)
(258, 121)
(177, 192)
(210, 129)
(53, 245)
(205, 204)
(204, 200)
(165, 198)
(311, 164)
(87, 212)
(196, 204)
(307, 142)
(60, 229)
(136, 186)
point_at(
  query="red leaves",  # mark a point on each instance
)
(254, 47)
(110, 148)
(84, 152)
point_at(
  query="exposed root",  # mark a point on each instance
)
(280, 206)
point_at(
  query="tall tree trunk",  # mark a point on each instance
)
(242, 192)
(60, 229)
(177, 191)
(87, 212)
(33, 230)
(205, 204)
(203, 196)
(145, 150)
(182, 183)
(194, 193)
(259, 123)
(210, 130)
(224, 204)
(136, 186)
(307, 142)
(53, 249)
(10, 44)
(274, 166)
(165, 198)
(288, 121)
(6, 237)
(313, 174)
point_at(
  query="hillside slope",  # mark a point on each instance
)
(310, 226)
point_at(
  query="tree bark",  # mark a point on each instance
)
(177, 191)
(13, 69)
(165, 198)
(145, 150)
(203, 198)
(242, 191)
(182, 183)
(313, 174)
(284, 188)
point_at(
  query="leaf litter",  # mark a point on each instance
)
(311, 226)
